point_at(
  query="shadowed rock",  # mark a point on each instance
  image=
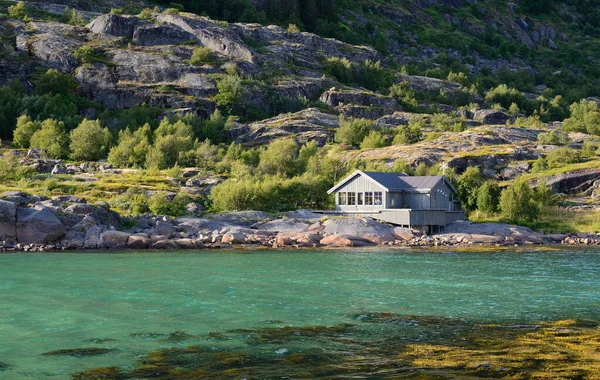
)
(8, 214)
(38, 226)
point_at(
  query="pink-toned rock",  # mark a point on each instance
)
(233, 238)
(282, 240)
(345, 241)
(138, 242)
(308, 239)
(406, 236)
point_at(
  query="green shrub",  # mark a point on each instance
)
(230, 93)
(55, 82)
(517, 203)
(207, 155)
(131, 149)
(422, 169)
(585, 117)
(411, 133)
(446, 123)
(160, 204)
(18, 11)
(460, 78)
(51, 137)
(529, 122)
(506, 96)
(488, 197)
(89, 141)
(340, 69)
(561, 157)
(25, 129)
(353, 131)
(373, 140)
(11, 169)
(171, 142)
(202, 56)
(293, 28)
(373, 75)
(553, 138)
(405, 96)
(401, 166)
(133, 201)
(73, 17)
(271, 194)
(147, 14)
(590, 148)
(468, 187)
(540, 165)
(171, 11)
(279, 158)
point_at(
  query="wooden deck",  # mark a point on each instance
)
(407, 217)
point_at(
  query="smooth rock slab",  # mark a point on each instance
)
(38, 226)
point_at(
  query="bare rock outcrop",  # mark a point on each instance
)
(116, 25)
(307, 125)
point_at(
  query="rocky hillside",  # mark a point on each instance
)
(405, 86)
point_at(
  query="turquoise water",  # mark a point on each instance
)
(74, 300)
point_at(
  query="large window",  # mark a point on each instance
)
(369, 198)
(351, 198)
(342, 199)
(359, 199)
(378, 198)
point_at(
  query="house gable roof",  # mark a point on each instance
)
(398, 182)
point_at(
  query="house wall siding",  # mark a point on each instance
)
(360, 184)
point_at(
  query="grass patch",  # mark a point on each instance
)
(552, 220)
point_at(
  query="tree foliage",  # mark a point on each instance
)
(518, 204)
(52, 138)
(353, 131)
(89, 141)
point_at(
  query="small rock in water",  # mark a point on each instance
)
(282, 351)
(146, 335)
(3, 366)
(79, 352)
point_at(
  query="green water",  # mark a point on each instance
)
(60, 301)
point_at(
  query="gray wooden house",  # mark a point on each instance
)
(399, 199)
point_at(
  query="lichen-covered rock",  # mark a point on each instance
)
(162, 34)
(335, 98)
(307, 125)
(212, 35)
(53, 43)
(288, 225)
(116, 25)
(38, 226)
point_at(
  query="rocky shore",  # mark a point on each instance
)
(39, 224)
